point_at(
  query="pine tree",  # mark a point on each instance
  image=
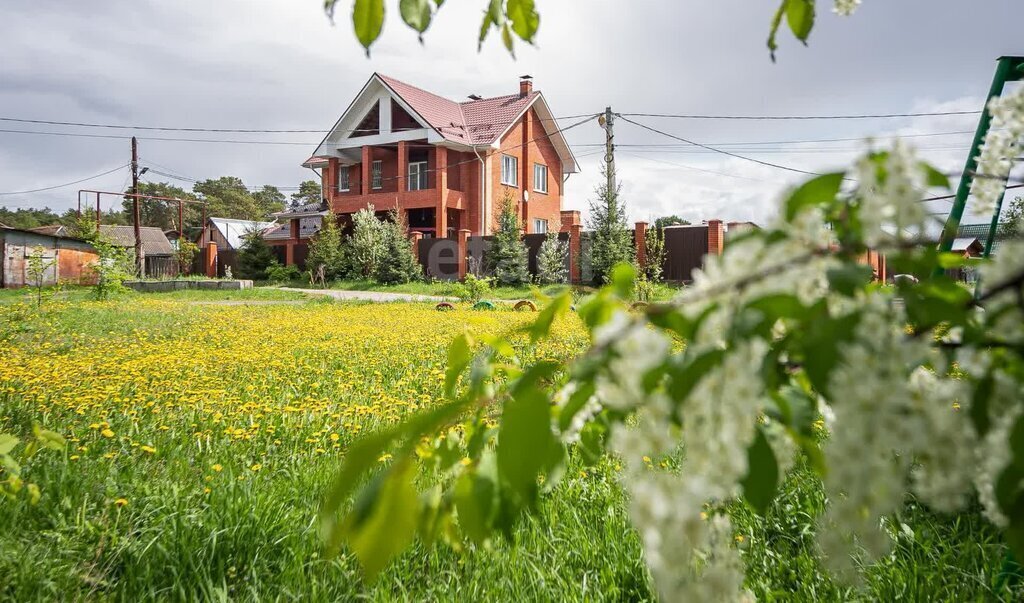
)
(654, 252)
(551, 266)
(364, 248)
(397, 264)
(255, 257)
(611, 242)
(325, 250)
(509, 257)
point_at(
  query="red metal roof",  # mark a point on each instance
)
(316, 160)
(472, 122)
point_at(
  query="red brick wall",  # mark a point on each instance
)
(526, 141)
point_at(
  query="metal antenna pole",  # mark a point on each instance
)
(1008, 69)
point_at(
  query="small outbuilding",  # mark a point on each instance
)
(69, 259)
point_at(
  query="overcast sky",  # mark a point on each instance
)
(281, 64)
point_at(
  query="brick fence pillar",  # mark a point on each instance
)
(211, 259)
(716, 237)
(416, 236)
(640, 240)
(463, 238)
(575, 251)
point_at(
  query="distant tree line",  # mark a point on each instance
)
(225, 197)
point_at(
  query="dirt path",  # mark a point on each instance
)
(374, 296)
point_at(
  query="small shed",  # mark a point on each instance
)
(70, 258)
(157, 252)
(230, 234)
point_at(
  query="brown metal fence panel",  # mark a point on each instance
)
(161, 267)
(439, 258)
(685, 248)
(225, 258)
(301, 252)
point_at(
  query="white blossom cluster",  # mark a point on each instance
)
(845, 7)
(890, 200)
(889, 427)
(894, 415)
(690, 557)
(1001, 146)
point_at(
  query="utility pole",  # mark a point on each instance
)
(609, 148)
(139, 261)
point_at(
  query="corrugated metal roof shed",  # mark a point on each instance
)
(235, 231)
(154, 241)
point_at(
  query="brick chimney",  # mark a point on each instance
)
(525, 84)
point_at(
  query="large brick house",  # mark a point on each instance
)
(447, 165)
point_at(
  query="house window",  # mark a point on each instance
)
(540, 178)
(377, 179)
(540, 226)
(343, 176)
(418, 176)
(509, 170)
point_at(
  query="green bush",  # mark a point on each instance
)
(282, 274)
(472, 288)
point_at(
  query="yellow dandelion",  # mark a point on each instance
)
(217, 467)
(107, 433)
(256, 466)
(148, 449)
(121, 502)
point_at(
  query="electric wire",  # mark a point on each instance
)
(56, 186)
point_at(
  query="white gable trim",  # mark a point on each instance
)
(375, 91)
(569, 163)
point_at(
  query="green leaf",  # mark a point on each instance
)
(684, 376)
(363, 454)
(800, 16)
(368, 20)
(525, 437)
(476, 501)
(389, 523)
(979, 404)
(934, 177)
(49, 439)
(849, 278)
(820, 341)
(524, 17)
(460, 353)
(623, 280)
(416, 14)
(773, 30)
(506, 38)
(7, 443)
(762, 480)
(541, 327)
(818, 191)
(779, 305)
(33, 493)
(593, 437)
(1017, 443)
(494, 16)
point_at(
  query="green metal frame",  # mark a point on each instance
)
(1008, 69)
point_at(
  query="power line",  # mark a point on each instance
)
(697, 169)
(490, 153)
(800, 117)
(945, 197)
(228, 130)
(50, 188)
(723, 152)
(813, 140)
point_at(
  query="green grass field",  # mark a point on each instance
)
(202, 439)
